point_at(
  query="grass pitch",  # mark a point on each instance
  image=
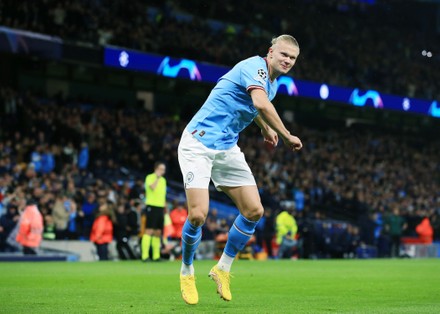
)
(341, 286)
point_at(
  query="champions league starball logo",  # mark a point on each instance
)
(361, 100)
(168, 70)
(262, 74)
(289, 84)
(434, 110)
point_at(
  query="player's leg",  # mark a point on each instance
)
(247, 199)
(232, 175)
(195, 163)
(198, 206)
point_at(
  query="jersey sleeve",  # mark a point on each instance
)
(253, 76)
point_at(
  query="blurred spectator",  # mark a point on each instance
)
(354, 241)
(36, 159)
(221, 234)
(178, 217)
(435, 222)
(368, 227)
(339, 243)
(30, 229)
(49, 228)
(8, 221)
(69, 155)
(64, 216)
(207, 247)
(102, 230)
(306, 230)
(133, 218)
(122, 233)
(47, 160)
(266, 232)
(89, 208)
(394, 226)
(425, 232)
(286, 232)
(168, 228)
(83, 158)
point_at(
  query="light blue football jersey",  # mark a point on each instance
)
(229, 108)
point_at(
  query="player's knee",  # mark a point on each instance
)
(254, 213)
(197, 218)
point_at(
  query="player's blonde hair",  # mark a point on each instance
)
(286, 38)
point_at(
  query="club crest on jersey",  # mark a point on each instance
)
(189, 178)
(261, 76)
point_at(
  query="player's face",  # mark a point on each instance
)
(282, 57)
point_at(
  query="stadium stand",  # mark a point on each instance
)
(333, 45)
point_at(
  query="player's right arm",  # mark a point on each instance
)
(269, 115)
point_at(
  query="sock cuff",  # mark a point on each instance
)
(191, 226)
(228, 254)
(186, 238)
(245, 225)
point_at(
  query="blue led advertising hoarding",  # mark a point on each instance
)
(204, 72)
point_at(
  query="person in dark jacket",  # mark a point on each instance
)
(268, 231)
(8, 221)
(122, 232)
(394, 226)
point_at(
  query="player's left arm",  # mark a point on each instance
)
(270, 116)
(270, 136)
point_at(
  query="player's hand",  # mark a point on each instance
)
(293, 142)
(270, 136)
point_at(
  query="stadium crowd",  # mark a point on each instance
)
(333, 35)
(72, 157)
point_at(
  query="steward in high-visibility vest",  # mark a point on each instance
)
(30, 229)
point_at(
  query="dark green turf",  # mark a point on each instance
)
(344, 286)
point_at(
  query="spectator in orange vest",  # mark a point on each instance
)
(178, 217)
(102, 230)
(425, 231)
(30, 229)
